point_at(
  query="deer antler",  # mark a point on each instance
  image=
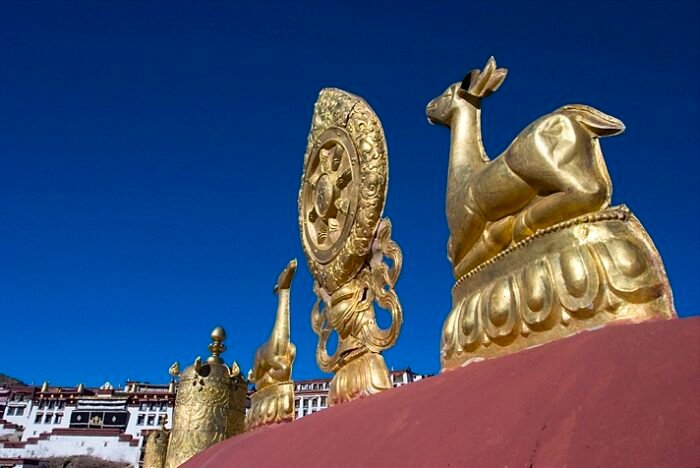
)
(482, 83)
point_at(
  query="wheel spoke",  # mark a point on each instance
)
(313, 179)
(333, 229)
(313, 216)
(337, 158)
(344, 179)
(325, 157)
(342, 204)
(321, 231)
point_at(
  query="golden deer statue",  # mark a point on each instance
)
(273, 400)
(537, 252)
(551, 172)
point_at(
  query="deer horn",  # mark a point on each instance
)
(497, 79)
(482, 83)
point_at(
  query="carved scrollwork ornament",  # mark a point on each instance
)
(343, 187)
(577, 275)
(348, 244)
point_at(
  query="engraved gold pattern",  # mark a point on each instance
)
(576, 275)
(210, 404)
(347, 243)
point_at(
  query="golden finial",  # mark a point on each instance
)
(81, 388)
(235, 369)
(174, 370)
(218, 335)
(197, 364)
(45, 386)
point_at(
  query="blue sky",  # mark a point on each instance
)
(151, 153)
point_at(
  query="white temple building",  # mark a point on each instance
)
(37, 423)
(311, 396)
(107, 423)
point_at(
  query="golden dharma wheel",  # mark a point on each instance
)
(343, 188)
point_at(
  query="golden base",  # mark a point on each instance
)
(271, 405)
(363, 376)
(578, 275)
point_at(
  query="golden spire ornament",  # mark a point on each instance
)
(273, 400)
(347, 242)
(536, 249)
(210, 403)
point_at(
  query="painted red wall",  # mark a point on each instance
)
(623, 396)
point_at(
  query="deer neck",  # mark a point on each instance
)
(280, 332)
(467, 152)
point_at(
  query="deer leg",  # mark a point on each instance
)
(470, 228)
(495, 238)
(558, 207)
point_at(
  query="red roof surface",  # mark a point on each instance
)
(622, 396)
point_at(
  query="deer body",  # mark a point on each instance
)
(552, 171)
(273, 360)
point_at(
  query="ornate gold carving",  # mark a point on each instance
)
(536, 251)
(271, 405)
(346, 158)
(174, 370)
(346, 241)
(210, 404)
(573, 276)
(156, 447)
(361, 375)
(553, 171)
(273, 400)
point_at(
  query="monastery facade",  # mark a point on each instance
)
(105, 422)
(311, 396)
(110, 423)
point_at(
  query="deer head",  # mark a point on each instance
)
(467, 93)
(285, 279)
(440, 109)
